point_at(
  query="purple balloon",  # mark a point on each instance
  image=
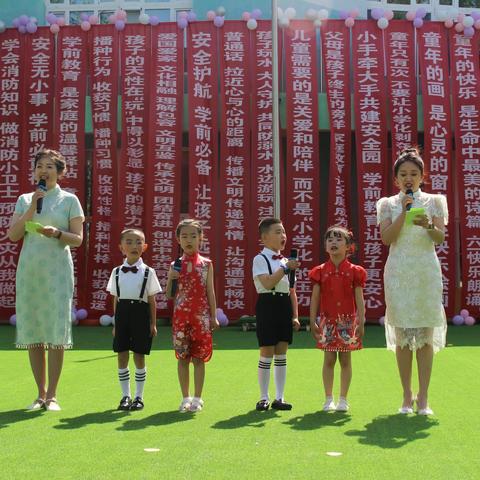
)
(458, 320)
(191, 16)
(420, 13)
(82, 314)
(417, 22)
(343, 14)
(218, 21)
(15, 23)
(84, 17)
(51, 18)
(475, 15)
(256, 13)
(376, 13)
(182, 23)
(23, 20)
(13, 319)
(119, 25)
(154, 20)
(469, 32)
(22, 29)
(31, 27)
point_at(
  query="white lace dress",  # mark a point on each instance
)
(413, 278)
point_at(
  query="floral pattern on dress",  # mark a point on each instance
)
(191, 316)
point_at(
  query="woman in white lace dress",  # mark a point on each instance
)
(415, 318)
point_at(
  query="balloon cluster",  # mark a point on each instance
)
(466, 24)
(55, 22)
(86, 21)
(316, 16)
(251, 18)
(119, 19)
(25, 24)
(284, 16)
(416, 16)
(222, 318)
(463, 318)
(77, 315)
(184, 18)
(382, 17)
(349, 16)
(106, 320)
(217, 16)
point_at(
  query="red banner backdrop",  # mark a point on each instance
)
(38, 106)
(135, 59)
(203, 121)
(104, 91)
(11, 168)
(464, 54)
(371, 139)
(433, 55)
(163, 191)
(336, 61)
(302, 180)
(402, 92)
(233, 272)
(70, 92)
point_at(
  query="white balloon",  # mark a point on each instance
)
(221, 11)
(284, 21)
(322, 14)
(252, 24)
(144, 19)
(105, 320)
(290, 13)
(317, 23)
(382, 23)
(442, 15)
(279, 12)
(468, 22)
(2, 26)
(311, 14)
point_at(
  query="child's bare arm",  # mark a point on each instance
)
(360, 305)
(152, 303)
(172, 275)
(314, 301)
(294, 300)
(212, 301)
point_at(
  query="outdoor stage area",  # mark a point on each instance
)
(229, 439)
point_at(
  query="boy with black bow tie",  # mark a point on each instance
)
(133, 286)
(276, 311)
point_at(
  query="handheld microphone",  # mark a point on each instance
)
(177, 266)
(291, 275)
(42, 185)
(409, 192)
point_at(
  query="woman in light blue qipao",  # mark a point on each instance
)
(44, 282)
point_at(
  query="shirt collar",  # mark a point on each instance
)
(137, 264)
(53, 191)
(416, 195)
(343, 265)
(267, 251)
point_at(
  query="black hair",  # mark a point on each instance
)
(266, 223)
(57, 157)
(339, 231)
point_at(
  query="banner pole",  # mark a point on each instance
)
(275, 112)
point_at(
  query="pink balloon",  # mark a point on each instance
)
(121, 15)
(410, 15)
(354, 13)
(388, 14)
(93, 19)
(349, 22)
(211, 15)
(85, 26)
(182, 23)
(448, 23)
(459, 27)
(246, 16)
(112, 18)
(464, 312)
(119, 25)
(460, 17)
(61, 21)
(469, 321)
(54, 28)
(22, 29)
(417, 22)
(256, 13)
(477, 24)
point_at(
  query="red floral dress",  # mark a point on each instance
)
(191, 315)
(338, 319)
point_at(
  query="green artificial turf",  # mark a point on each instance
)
(229, 439)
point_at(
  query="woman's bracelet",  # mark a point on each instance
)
(59, 235)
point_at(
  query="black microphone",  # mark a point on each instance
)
(291, 275)
(177, 266)
(42, 185)
(409, 192)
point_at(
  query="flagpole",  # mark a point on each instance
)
(275, 112)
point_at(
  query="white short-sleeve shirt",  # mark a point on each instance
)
(260, 267)
(131, 283)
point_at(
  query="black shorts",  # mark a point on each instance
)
(274, 319)
(132, 327)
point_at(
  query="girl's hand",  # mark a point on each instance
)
(296, 324)
(421, 221)
(293, 264)
(315, 329)
(361, 330)
(173, 274)
(214, 324)
(153, 330)
(49, 231)
(407, 200)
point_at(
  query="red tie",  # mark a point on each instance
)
(133, 269)
(277, 257)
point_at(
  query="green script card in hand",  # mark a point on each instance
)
(412, 213)
(32, 227)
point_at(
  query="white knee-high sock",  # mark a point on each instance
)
(140, 376)
(124, 378)
(264, 376)
(280, 375)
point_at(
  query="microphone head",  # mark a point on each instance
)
(294, 253)
(42, 184)
(409, 192)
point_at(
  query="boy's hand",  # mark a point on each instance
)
(173, 274)
(214, 324)
(293, 264)
(296, 324)
(153, 330)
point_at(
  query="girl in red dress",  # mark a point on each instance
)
(194, 313)
(337, 298)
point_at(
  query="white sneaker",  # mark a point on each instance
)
(425, 411)
(37, 404)
(405, 410)
(185, 405)
(52, 405)
(197, 405)
(329, 405)
(342, 405)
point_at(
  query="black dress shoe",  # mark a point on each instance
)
(262, 405)
(281, 405)
(137, 404)
(125, 403)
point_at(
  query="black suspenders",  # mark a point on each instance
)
(144, 284)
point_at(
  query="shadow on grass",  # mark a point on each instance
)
(15, 416)
(249, 419)
(95, 359)
(160, 418)
(394, 431)
(313, 421)
(108, 416)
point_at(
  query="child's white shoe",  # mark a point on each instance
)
(196, 405)
(342, 405)
(425, 411)
(185, 405)
(329, 405)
